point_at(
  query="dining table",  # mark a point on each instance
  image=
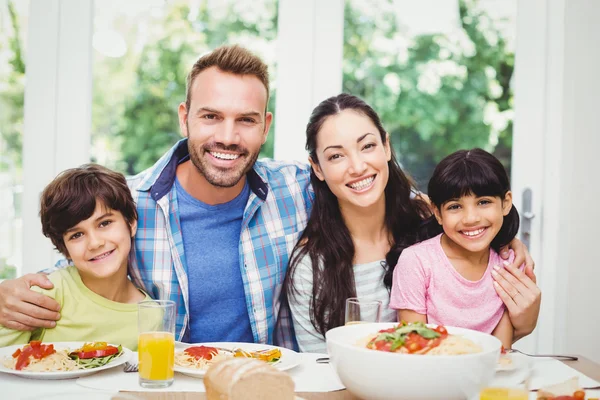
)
(98, 386)
(582, 364)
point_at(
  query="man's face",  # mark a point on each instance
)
(226, 124)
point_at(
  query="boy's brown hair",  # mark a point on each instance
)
(71, 198)
(233, 59)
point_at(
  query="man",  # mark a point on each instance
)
(216, 226)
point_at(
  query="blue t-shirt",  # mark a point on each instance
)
(211, 238)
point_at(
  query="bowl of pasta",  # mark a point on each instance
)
(381, 361)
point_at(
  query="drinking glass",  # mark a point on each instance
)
(156, 343)
(361, 311)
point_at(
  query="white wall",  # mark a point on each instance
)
(554, 153)
(58, 103)
(309, 68)
(579, 287)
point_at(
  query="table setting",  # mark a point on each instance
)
(364, 360)
(311, 379)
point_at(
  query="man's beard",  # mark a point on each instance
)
(219, 177)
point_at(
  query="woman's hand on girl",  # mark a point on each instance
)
(520, 294)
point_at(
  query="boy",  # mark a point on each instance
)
(89, 215)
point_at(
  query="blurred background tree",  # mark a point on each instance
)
(435, 93)
(12, 91)
(145, 123)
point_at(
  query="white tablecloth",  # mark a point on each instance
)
(308, 377)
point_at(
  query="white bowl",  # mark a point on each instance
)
(378, 375)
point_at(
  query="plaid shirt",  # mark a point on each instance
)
(274, 217)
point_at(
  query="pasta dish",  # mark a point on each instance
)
(201, 357)
(39, 357)
(417, 338)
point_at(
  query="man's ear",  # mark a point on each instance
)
(507, 203)
(183, 116)
(316, 168)
(268, 121)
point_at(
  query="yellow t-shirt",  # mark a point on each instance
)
(84, 316)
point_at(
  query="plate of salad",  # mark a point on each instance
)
(61, 360)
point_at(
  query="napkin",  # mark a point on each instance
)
(308, 376)
(541, 372)
(550, 371)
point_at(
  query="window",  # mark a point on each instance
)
(440, 81)
(143, 52)
(13, 29)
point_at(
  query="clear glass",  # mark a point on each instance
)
(361, 311)
(156, 343)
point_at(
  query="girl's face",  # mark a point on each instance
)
(352, 159)
(99, 246)
(472, 222)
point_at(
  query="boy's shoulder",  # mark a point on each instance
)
(59, 279)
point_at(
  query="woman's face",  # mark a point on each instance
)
(352, 159)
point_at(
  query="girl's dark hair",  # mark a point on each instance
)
(327, 240)
(467, 172)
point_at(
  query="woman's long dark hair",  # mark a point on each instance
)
(467, 172)
(327, 240)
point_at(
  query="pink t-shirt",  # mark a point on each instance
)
(426, 282)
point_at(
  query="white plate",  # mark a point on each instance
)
(289, 358)
(518, 361)
(9, 350)
(513, 375)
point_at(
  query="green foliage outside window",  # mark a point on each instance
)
(12, 91)
(436, 95)
(146, 124)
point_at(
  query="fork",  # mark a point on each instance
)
(556, 356)
(130, 367)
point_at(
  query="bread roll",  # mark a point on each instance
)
(247, 379)
(566, 388)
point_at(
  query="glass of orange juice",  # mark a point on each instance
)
(503, 394)
(361, 311)
(156, 343)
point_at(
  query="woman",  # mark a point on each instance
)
(365, 213)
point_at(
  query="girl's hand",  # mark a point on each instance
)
(521, 255)
(520, 294)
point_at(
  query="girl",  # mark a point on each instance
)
(448, 279)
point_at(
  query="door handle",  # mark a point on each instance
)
(526, 216)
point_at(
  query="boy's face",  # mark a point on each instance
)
(99, 246)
